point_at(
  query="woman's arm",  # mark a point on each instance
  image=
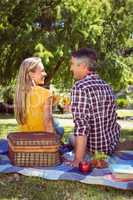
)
(48, 118)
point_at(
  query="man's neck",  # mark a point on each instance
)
(90, 72)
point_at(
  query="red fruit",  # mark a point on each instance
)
(85, 166)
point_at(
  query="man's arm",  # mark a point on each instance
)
(80, 110)
(80, 149)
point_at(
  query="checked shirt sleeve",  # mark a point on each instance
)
(80, 110)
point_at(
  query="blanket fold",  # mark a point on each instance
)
(64, 172)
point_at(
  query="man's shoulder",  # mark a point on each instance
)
(85, 83)
(79, 85)
(92, 82)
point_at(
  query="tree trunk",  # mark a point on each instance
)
(53, 72)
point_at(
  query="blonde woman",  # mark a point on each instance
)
(33, 104)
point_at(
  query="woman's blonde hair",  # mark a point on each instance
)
(24, 84)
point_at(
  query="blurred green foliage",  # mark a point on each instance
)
(52, 29)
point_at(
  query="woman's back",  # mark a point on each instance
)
(35, 102)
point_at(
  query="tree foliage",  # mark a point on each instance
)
(51, 29)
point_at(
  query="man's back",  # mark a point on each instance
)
(99, 111)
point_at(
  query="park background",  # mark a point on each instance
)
(52, 29)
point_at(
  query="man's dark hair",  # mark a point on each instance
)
(87, 56)
(85, 52)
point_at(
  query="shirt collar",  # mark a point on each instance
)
(92, 75)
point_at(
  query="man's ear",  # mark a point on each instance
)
(83, 65)
(85, 68)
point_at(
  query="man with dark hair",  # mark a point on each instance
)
(93, 108)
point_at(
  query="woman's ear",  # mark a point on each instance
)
(31, 74)
(32, 77)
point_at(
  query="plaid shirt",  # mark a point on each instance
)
(94, 113)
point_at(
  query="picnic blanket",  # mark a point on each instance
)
(65, 172)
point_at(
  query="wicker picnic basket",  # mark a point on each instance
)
(33, 149)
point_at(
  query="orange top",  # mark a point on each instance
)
(35, 102)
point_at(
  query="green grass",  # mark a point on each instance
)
(127, 134)
(32, 188)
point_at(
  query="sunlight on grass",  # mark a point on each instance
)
(5, 129)
(125, 113)
(68, 130)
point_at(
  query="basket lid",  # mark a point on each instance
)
(43, 138)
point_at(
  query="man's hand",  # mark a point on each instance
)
(80, 150)
(73, 163)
